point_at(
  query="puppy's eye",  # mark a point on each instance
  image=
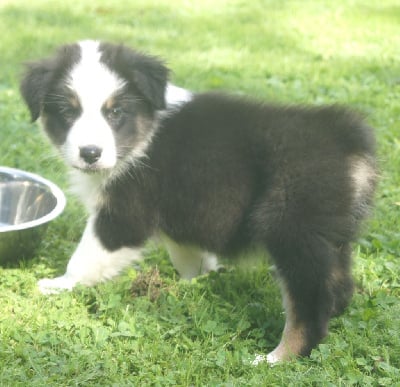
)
(69, 112)
(114, 113)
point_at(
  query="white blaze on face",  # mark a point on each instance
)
(94, 84)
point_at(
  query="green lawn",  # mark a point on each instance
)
(170, 332)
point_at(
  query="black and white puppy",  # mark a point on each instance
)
(211, 175)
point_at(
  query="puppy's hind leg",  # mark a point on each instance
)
(190, 261)
(91, 263)
(341, 281)
(305, 265)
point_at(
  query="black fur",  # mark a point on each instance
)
(43, 74)
(147, 73)
(226, 174)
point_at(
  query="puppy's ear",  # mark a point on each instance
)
(34, 86)
(151, 77)
(148, 74)
(39, 75)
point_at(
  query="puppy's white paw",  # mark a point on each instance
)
(270, 359)
(56, 285)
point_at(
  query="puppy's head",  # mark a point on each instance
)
(97, 101)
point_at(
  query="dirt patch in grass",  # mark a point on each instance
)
(148, 284)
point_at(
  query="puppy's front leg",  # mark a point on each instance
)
(91, 263)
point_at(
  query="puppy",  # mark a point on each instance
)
(210, 175)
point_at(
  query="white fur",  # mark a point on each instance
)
(176, 95)
(363, 175)
(93, 81)
(190, 261)
(91, 263)
(91, 128)
(88, 187)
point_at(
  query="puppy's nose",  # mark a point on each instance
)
(90, 153)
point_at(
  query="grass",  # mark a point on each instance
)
(169, 332)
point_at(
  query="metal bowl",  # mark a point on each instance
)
(28, 203)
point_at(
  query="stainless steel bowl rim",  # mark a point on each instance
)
(54, 189)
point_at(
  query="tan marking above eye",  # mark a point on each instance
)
(74, 101)
(109, 103)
